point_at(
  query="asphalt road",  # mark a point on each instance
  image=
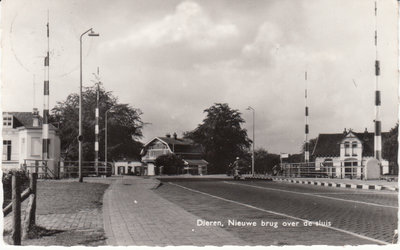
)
(345, 217)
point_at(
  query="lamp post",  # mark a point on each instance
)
(105, 146)
(252, 156)
(80, 139)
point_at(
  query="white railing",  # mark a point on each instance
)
(40, 167)
(321, 170)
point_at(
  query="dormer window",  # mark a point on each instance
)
(347, 148)
(354, 148)
(7, 121)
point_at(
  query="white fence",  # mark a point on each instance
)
(321, 170)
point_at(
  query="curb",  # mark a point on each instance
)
(328, 184)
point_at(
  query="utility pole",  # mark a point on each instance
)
(96, 143)
(252, 153)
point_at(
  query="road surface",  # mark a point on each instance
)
(274, 213)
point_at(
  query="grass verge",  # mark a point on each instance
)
(68, 214)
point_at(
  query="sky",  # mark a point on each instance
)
(172, 59)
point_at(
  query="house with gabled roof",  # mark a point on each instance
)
(22, 140)
(345, 154)
(186, 149)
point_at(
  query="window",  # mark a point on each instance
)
(7, 121)
(7, 150)
(50, 151)
(347, 148)
(36, 146)
(328, 163)
(354, 148)
(22, 146)
(350, 167)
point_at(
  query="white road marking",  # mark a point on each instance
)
(315, 195)
(284, 215)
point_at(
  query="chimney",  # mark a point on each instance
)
(344, 131)
(175, 136)
(168, 135)
(366, 135)
(35, 117)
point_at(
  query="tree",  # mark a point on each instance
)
(171, 163)
(390, 149)
(311, 145)
(264, 161)
(294, 158)
(124, 126)
(221, 136)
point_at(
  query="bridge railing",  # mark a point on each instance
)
(70, 169)
(320, 170)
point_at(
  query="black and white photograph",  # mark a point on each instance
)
(203, 123)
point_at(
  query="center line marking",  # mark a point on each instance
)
(284, 215)
(315, 195)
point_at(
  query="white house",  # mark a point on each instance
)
(345, 154)
(22, 140)
(128, 166)
(190, 153)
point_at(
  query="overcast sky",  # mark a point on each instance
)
(172, 59)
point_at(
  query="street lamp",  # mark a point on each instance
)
(252, 157)
(80, 138)
(105, 146)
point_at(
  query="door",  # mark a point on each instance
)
(150, 169)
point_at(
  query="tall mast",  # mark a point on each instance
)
(378, 138)
(34, 91)
(306, 150)
(46, 92)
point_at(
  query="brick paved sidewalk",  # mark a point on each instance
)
(134, 214)
(89, 219)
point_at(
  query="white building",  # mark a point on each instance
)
(345, 154)
(129, 167)
(187, 150)
(22, 140)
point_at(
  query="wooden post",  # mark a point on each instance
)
(45, 169)
(32, 186)
(36, 166)
(16, 208)
(57, 173)
(30, 218)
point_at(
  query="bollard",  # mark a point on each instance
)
(16, 208)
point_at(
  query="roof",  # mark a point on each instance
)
(177, 141)
(180, 145)
(25, 119)
(328, 145)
